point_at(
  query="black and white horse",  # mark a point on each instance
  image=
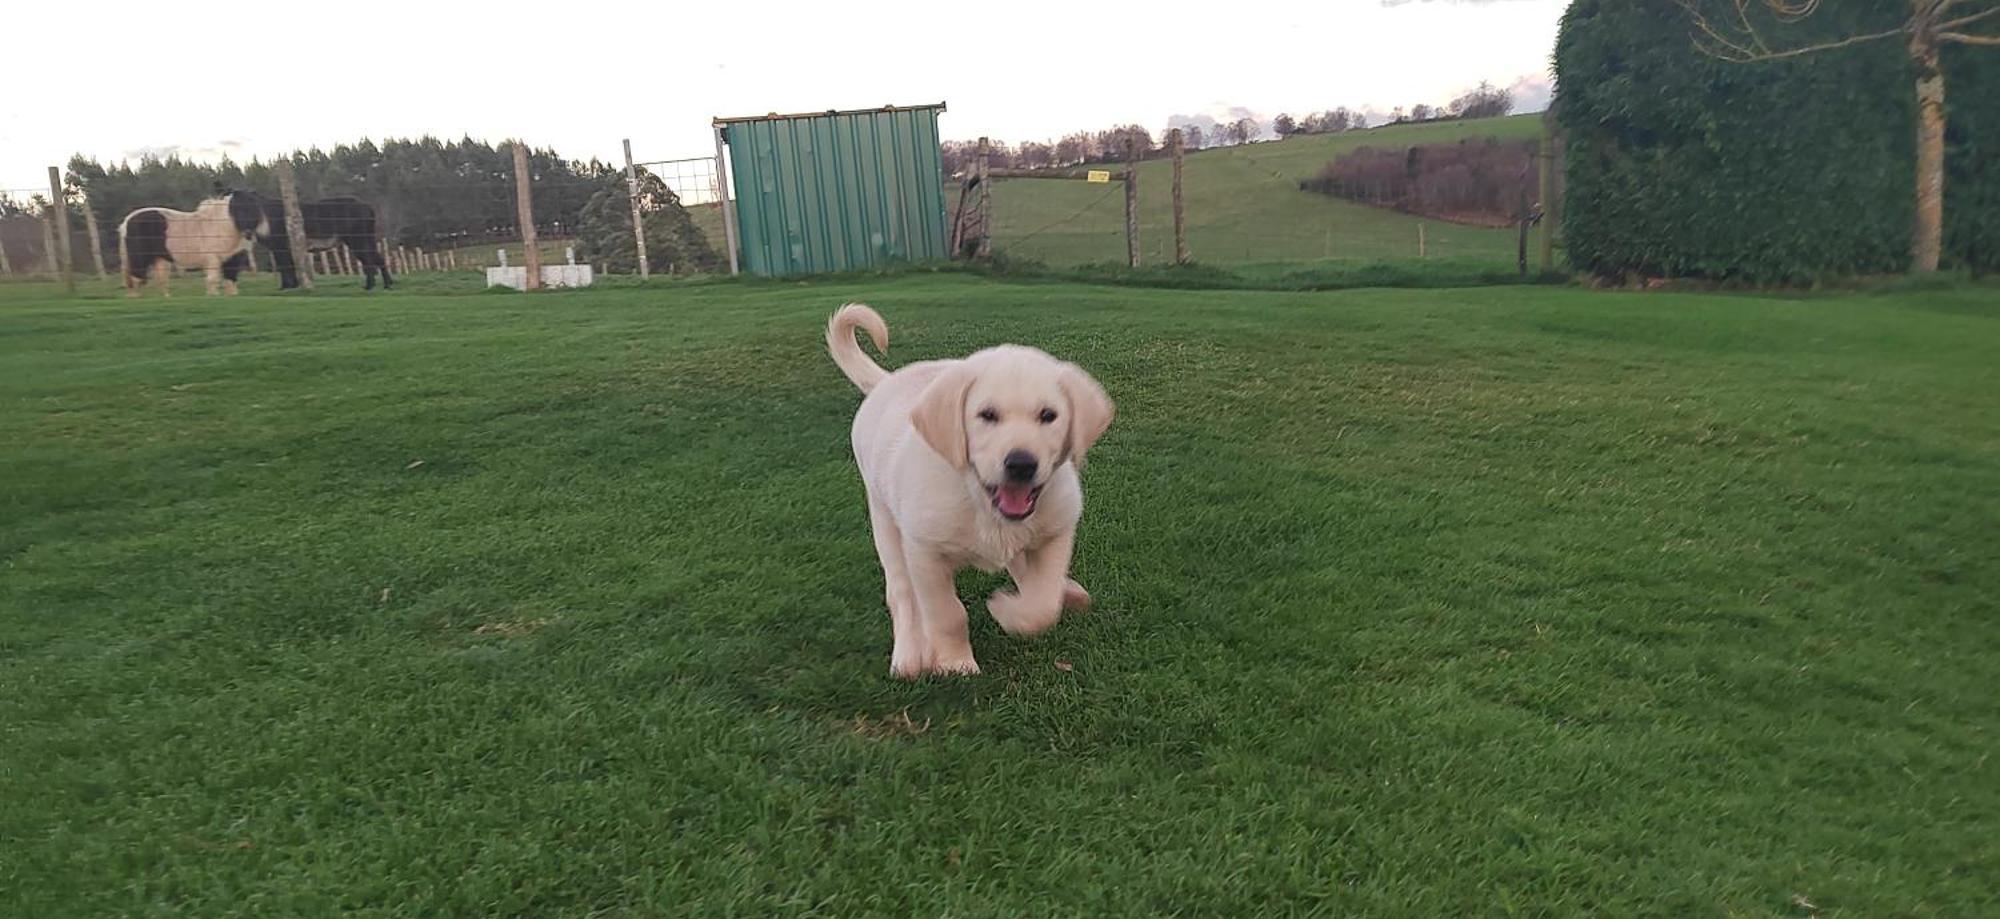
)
(329, 222)
(215, 235)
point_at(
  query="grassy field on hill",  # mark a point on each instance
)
(1530, 601)
(1244, 207)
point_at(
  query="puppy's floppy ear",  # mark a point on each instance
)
(940, 415)
(1090, 410)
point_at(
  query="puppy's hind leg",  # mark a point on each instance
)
(912, 653)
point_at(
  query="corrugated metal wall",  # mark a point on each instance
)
(839, 190)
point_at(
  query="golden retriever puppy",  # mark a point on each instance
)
(969, 462)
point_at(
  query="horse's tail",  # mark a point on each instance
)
(124, 251)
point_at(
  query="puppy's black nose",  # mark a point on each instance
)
(1020, 466)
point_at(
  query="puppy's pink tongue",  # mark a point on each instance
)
(1014, 500)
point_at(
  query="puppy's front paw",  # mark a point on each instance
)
(905, 664)
(1018, 616)
(955, 666)
(1074, 596)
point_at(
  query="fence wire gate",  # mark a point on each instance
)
(369, 217)
(27, 234)
(1059, 222)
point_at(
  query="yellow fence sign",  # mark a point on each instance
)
(1097, 175)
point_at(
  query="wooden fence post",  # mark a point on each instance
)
(1131, 203)
(524, 206)
(1177, 145)
(96, 239)
(982, 171)
(722, 201)
(638, 218)
(1420, 239)
(1525, 217)
(1550, 149)
(61, 206)
(6, 265)
(295, 220)
(49, 241)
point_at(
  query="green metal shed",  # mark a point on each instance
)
(830, 191)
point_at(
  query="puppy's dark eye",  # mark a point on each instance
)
(1048, 416)
(989, 416)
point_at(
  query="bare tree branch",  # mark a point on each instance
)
(1965, 39)
(1967, 20)
(1752, 47)
(1719, 45)
(1812, 49)
(1792, 12)
(1743, 17)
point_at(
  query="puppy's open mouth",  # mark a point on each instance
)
(1014, 500)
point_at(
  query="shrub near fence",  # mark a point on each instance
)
(1481, 182)
(1785, 171)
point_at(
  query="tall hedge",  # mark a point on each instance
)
(1680, 165)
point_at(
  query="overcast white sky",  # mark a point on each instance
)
(138, 76)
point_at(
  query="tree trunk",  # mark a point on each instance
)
(1927, 236)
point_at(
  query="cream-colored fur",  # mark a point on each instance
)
(204, 237)
(932, 440)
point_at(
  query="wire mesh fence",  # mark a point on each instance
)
(1072, 223)
(26, 238)
(374, 213)
(698, 187)
(1428, 194)
(365, 214)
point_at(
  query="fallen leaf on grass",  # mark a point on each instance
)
(385, 595)
(413, 464)
(1801, 901)
(1065, 666)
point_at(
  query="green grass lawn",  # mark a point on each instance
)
(1244, 205)
(1471, 602)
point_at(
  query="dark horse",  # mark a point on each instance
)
(328, 222)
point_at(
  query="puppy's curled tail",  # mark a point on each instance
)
(846, 351)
